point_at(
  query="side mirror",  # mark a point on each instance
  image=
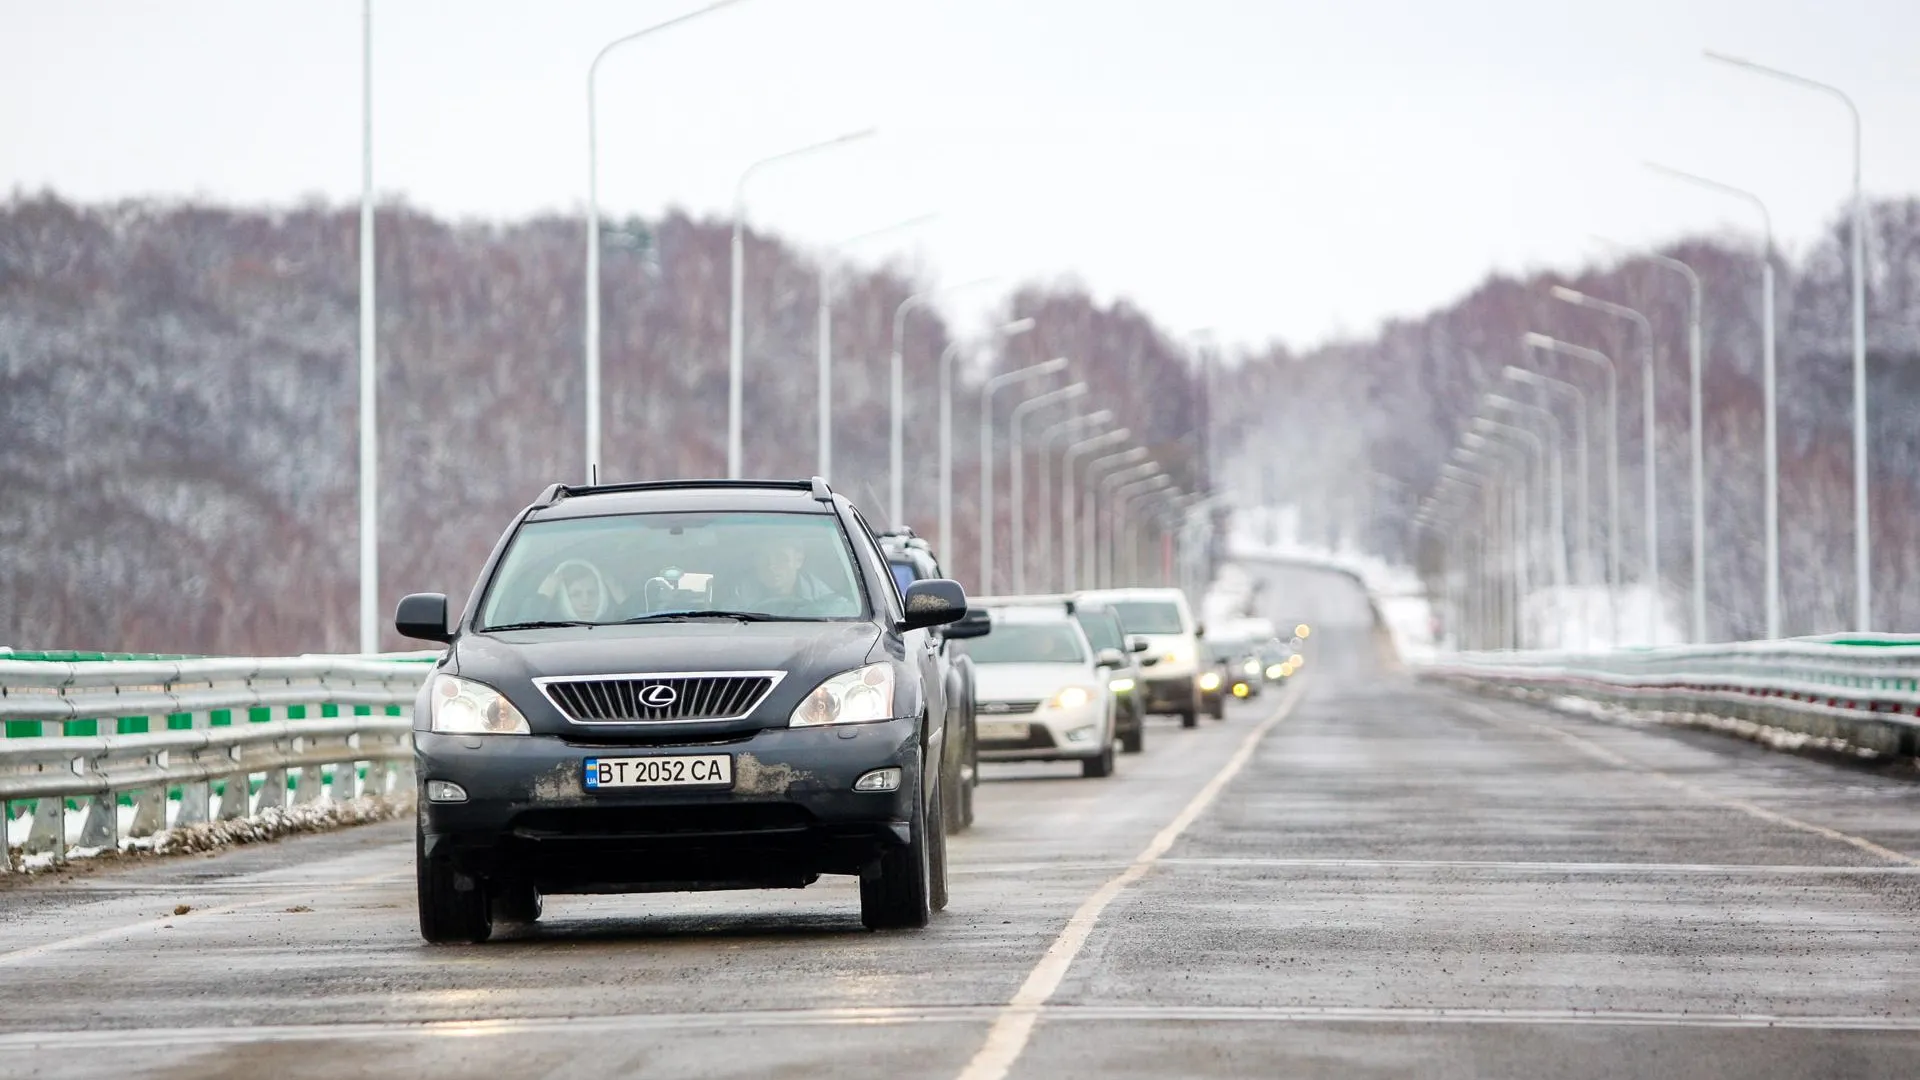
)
(933, 602)
(1110, 658)
(976, 623)
(1199, 629)
(1138, 645)
(424, 616)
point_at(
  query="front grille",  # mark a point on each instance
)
(1006, 708)
(627, 699)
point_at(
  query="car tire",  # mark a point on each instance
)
(937, 859)
(1218, 710)
(1134, 741)
(449, 914)
(517, 903)
(895, 893)
(967, 785)
(1189, 718)
(950, 780)
(1095, 768)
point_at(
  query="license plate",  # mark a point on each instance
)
(1005, 731)
(702, 770)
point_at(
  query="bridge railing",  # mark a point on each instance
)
(139, 745)
(1860, 690)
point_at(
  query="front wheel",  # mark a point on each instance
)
(937, 857)
(1189, 718)
(453, 906)
(518, 902)
(896, 893)
(1096, 767)
(1134, 741)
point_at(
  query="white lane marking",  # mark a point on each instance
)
(733, 1022)
(1014, 1026)
(159, 922)
(1597, 868)
(1601, 753)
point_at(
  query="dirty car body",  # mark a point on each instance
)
(625, 707)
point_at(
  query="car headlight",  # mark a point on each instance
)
(1121, 686)
(860, 696)
(464, 707)
(1210, 681)
(1251, 667)
(1275, 671)
(1071, 697)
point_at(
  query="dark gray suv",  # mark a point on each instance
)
(680, 686)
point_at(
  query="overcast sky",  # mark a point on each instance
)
(1274, 169)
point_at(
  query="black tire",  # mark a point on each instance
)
(1097, 767)
(1218, 710)
(517, 903)
(1134, 741)
(950, 780)
(966, 795)
(896, 893)
(937, 858)
(449, 914)
(1189, 718)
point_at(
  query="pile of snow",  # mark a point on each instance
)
(1581, 618)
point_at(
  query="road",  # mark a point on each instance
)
(1364, 877)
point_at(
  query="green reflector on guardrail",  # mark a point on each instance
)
(80, 727)
(180, 721)
(296, 712)
(259, 714)
(23, 729)
(220, 717)
(131, 725)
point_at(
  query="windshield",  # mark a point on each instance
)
(1027, 643)
(1149, 616)
(1102, 631)
(622, 567)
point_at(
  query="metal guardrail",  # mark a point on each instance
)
(1861, 690)
(205, 733)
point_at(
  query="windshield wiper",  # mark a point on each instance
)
(540, 624)
(703, 613)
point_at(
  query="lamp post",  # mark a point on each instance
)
(1649, 435)
(947, 358)
(736, 338)
(1770, 405)
(1048, 436)
(897, 396)
(1862, 537)
(1492, 607)
(592, 332)
(369, 380)
(1512, 512)
(1100, 507)
(1122, 511)
(1582, 469)
(1595, 356)
(1488, 434)
(993, 386)
(1695, 440)
(1556, 467)
(823, 322)
(1088, 570)
(1069, 501)
(1017, 470)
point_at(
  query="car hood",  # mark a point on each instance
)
(1028, 682)
(808, 652)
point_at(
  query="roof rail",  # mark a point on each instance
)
(555, 492)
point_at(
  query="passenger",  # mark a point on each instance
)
(779, 583)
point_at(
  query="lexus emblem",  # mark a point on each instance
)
(658, 695)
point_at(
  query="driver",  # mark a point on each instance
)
(778, 578)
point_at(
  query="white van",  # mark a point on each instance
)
(1172, 660)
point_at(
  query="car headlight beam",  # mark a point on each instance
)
(1070, 697)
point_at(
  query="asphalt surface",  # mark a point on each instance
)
(1362, 877)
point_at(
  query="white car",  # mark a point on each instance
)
(1040, 694)
(1174, 663)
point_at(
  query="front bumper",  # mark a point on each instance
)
(790, 815)
(1048, 734)
(1171, 693)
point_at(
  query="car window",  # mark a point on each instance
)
(876, 564)
(1102, 631)
(623, 566)
(1027, 643)
(1149, 616)
(903, 574)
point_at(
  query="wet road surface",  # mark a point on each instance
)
(1362, 877)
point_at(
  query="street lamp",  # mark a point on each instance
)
(1016, 463)
(1648, 434)
(1069, 501)
(1695, 438)
(897, 394)
(1079, 534)
(592, 333)
(1581, 469)
(987, 390)
(1556, 467)
(736, 338)
(1595, 356)
(1770, 404)
(947, 358)
(369, 382)
(1098, 496)
(1863, 540)
(1496, 549)
(1122, 514)
(823, 321)
(1050, 435)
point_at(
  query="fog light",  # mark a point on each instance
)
(445, 791)
(879, 780)
(1210, 681)
(1275, 671)
(1241, 689)
(1082, 734)
(1120, 686)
